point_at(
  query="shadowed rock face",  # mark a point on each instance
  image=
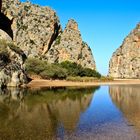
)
(41, 112)
(125, 62)
(127, 99)
(5, 23)
(0, 5)
(12, 71)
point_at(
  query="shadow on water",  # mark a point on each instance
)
(39, 114)
(127, 99)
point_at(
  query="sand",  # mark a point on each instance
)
(64, 83)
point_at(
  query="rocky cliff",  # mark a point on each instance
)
(70, 46)
(38, 32)
(125, 62)
(11, 64)
(34, 27)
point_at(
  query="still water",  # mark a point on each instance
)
(102, 113)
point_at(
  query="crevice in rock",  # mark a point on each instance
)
(55, 35)
(5, 25)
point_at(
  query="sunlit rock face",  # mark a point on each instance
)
(125, 62)
(12, 58)
(25, 113)
(37, 31)
(127, 99)
(69, 46)
(34, 27)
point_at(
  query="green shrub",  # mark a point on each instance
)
(34, 65)
(58, 71)
(58, 39)
(104, 78)
(89, 73)
(73, 68)
(53, 71)
(45, 70)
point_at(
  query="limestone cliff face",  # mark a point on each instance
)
(34, 27)
(70, 46)
(125, 62)
(11, 64)
(38, 32)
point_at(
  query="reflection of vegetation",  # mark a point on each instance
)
(24, 112)
(56, 94)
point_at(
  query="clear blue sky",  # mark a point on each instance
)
(103, 23)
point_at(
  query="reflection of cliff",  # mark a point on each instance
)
(38, 114)
(127, 99)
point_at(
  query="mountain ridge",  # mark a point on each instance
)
(37, 30)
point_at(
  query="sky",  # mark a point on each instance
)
(103, 23)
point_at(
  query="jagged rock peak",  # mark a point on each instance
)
(37, 31)
(72, 24)
(125, 62)
(69, 46)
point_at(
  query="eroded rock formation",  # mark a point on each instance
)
(38, 32)
(125, 62)
(70, 46)
(11, 65)
(34, 27)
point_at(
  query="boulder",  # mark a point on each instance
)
(12, 71)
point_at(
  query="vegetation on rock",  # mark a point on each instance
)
(11, 65)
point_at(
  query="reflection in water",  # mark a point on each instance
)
(127, 99)
(40, 114)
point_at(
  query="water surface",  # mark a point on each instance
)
(104, 113)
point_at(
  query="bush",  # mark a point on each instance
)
(58, 39)
(73, 68)
(104, 78)
(53, 71)
(58, 71)
(77, 70)
(45, 70)
(34, 65)
(89, 73)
